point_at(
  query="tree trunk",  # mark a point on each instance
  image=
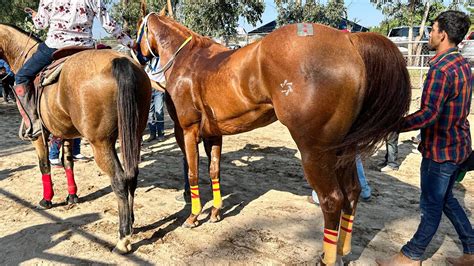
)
(418, 46)
(125, 23)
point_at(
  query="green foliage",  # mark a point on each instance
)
(213, 18)
(11, 12)
(219, 18)
(400, 13)
(310, 11)
(128, 13)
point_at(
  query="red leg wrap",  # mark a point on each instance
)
(48, 192)
(71, 184)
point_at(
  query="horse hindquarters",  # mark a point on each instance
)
(131, 123)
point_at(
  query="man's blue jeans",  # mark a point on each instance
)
(54, 149)
(437, 180)
(156, 116)
(41, 58)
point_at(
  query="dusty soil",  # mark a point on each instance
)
(267, 219)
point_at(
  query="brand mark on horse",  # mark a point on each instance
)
(287, 87)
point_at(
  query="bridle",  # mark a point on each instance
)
(23, 54)
(143, 31)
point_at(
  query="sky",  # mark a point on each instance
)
(360, 10)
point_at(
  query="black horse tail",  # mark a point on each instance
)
(127, 110)
(386, 99)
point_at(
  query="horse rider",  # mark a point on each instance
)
(70, 24)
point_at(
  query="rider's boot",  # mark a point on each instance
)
(31, 125)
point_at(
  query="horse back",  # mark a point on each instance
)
(86, 90)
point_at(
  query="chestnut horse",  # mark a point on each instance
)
(100, 95)
(338, 94)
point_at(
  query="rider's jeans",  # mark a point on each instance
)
(41, 58)
(437, 180)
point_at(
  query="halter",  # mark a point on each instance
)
(143, 30)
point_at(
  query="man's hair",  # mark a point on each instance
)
(455, 23)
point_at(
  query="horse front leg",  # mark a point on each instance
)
(68, 162)
(45, 168)
(213, 147)
(319, 169)
(191, 140)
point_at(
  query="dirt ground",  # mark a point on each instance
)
(266, 220)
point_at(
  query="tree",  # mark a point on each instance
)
(214, 18)
(219, 18)
(11, 12)
(311, 11)
(411, 13)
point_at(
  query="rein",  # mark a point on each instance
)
(143, 30)
(23, 54)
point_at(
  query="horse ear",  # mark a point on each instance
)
(143, 8)
(170, 8)
(162, 12)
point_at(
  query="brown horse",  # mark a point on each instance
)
(338, 94)
(100, 95)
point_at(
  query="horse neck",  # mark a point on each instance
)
(16, 46)
(170, 37)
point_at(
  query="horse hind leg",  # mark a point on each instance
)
(348, 180)
(106, 158)
(68, 162)
(213, 149)
(45, 168)
(319, 169)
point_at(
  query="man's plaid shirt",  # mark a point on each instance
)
(445, 105)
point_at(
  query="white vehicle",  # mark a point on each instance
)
(399, 35)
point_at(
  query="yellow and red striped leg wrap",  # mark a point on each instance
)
(195, 200)
(216, 193)
(330, 246)
(344, 245)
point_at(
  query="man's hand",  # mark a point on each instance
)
(30, 11)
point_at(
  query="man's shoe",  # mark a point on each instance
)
(31, 125)
(366, 194)
(464, 260)
(55, 163)
(398, 260)
(79, 157)
(388, 168)
(184, 198)
(150, 138)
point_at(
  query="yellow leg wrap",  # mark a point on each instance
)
(344, 244)
(195, 200)
(216, 193)
(330, 246)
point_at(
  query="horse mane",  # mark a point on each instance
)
(199, 40)
(29, 34)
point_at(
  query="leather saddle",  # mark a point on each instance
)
(50, 74)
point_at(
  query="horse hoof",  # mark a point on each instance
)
(45, 204)
(215, 219)
(123, 246)
(72, 199)
(338, 262)
(190, 225)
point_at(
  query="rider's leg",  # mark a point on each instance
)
(24, 90)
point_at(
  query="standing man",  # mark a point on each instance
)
(7, 80)
(445, 141)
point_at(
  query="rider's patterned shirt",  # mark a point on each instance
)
(70, 22)
(445, 105)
